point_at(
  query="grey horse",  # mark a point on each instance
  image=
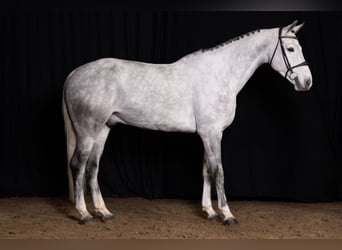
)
(197, 93)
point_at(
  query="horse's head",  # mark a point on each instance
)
(288, 59)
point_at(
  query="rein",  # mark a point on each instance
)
(283, 52)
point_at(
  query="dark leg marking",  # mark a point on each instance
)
(74, 166)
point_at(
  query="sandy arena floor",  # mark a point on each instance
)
(137, 218)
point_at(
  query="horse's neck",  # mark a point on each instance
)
(243, 57)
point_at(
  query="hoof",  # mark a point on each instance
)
(86, 220)
(108, 218)
(214, 217)
(230, 221)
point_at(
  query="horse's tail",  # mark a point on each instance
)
(71, 145)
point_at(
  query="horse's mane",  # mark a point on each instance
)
(231, 40)
(224, 43)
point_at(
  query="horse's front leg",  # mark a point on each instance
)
(212, 147)
(206, 195)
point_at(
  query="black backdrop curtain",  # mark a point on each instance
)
(282, 144)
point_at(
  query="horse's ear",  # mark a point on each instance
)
(297, 28)
(290, 26)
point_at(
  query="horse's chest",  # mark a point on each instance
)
(226, 111)
(229, 115)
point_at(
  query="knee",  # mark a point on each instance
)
(219, 176)
(213, 172)
(209, 173)
(91, 170)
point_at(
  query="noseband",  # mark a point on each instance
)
(286, 60)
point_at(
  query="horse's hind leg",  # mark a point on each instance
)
(92, 171)
(78, 165)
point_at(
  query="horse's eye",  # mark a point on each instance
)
(290, 49)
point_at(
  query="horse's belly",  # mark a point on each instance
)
(167, 119)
